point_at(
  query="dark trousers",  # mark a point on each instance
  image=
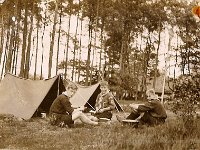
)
(147, 118)
(105, 114)
(61, 119)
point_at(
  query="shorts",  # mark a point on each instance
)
(106, 114)
(61, 119)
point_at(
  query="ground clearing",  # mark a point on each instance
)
(38, 134)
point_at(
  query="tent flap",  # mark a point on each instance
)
(86, 96)
(21, 97)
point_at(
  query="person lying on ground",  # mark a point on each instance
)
(104, 103)
(62, 113)
(150, 113)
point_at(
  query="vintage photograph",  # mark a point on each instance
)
(99, 74)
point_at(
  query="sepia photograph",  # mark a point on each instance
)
(99, 74)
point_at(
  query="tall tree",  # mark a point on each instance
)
(24, 44)
(69, 11)
(75, 42)
(59, 36)
(53, 38)
(27, 63)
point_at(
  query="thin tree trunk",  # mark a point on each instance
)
(18, 17)
(80, 51)
(52, 39)
(14, 52)
(156, 66)
(95, 38)
(58, 44)
(2, 37)
(5, 52)
(44, 27)
(67, 51)
(24, 40)
(36, 52)
(89, 53)
(80, 45)
(101, 38)
(10, 50)
(16, 39)
(75, 48)
(27, 64)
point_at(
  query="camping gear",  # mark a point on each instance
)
(25, 98)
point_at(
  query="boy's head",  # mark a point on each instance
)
(71, 89)
(72, 86)
(104, 86)
(104, 83)
(151, 94)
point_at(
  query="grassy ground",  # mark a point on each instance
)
(38, 134)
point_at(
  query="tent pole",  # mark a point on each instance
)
(86, 102)
(58, 92)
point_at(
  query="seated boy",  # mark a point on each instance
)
(153, 111)
(104, 103)
(62, 113)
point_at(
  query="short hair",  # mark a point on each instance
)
(72, 85)
(152, 94)
(150, 91)
(103, 83)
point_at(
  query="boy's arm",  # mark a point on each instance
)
(67, 105)
(111, 103)
(145, 107)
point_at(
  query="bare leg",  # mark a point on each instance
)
(93, 118)
(83, 118)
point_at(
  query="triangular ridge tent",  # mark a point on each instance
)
(86, 96)
(22, 97)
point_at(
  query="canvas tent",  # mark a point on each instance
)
(22, 97)
(86, 96)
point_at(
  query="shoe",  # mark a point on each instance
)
(119, 118)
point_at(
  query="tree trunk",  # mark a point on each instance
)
(17, 41)
(24, 40)
(10, 50)
(89, 53)
(2, 38)
(80, 50)
(75, 48)
(27, 64)
(5, 51)
(67, 51)
(52, 39)
(36, 52)
(156, 65)
(58, 44)
(44, 27)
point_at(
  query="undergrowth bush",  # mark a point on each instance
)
(187, 98)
